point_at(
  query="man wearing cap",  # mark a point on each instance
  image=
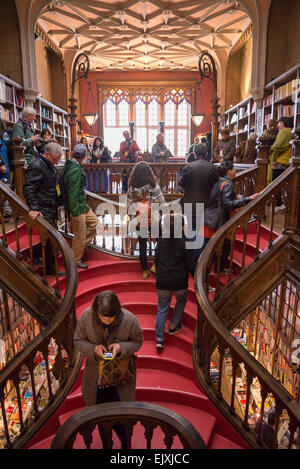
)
(83, 220)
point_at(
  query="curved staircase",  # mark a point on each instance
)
(166, 379)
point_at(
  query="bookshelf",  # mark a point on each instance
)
(240, 120)
(54, 118)
(270, 331)
(280, 93)
(11, 100)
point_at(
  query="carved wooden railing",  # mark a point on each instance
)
(226, 299)
(39, 363)
(128, 414)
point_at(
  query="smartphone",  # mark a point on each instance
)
(108, 356)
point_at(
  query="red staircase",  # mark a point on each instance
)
(166, 379)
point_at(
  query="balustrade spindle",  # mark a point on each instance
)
(278, 412)
(30, 365)
(4, 418)
(17, 387)
(221, 350)
(264, 394)
(234, 372)
(249, 380)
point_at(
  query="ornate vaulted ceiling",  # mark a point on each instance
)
(145, 34)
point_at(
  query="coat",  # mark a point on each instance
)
(24, 130)
(88, 334)
(173, 263)
(228, 148)
(281, 150)
(246, 152)
(74, 182)
(197, 180)
(40, 188)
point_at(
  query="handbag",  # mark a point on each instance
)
(116, 371)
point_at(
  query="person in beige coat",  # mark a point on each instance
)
(103, 327)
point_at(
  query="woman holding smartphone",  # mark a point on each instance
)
(106, 328)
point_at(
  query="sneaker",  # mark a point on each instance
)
(145, 274)
(280, 208)
(81, 265)
(175, 329)
(159, 346)
(211, 289)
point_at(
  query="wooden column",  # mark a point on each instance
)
(262, 162)
(293, 214)
(18, 162)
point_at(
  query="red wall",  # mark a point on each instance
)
(203, 96)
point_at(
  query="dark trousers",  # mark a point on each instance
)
(143, 252)
(111, 395)
(50, 260)
(275, 174)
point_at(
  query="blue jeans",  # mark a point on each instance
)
(164, 301)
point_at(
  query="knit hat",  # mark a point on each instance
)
(79, 151)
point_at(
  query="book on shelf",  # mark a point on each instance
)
(267, 118)
(268, 100)
(6, 114)
(233, 118)
(285, 111)
(286, 90)
(242, 112)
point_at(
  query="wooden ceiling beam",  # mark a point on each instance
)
(56, 23)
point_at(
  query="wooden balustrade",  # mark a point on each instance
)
(225, 299)
(127, 414)
(38, 372)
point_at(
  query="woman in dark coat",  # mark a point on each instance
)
(101, 154)
(107, 327)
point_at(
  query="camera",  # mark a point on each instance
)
(108, 356)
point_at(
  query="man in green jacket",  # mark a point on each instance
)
(24, 129)
(83, 220)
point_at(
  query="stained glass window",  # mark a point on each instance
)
(140, 113)
(149, 106)
(153, 113)
(111, 113)
(170, 113)
(123, 109)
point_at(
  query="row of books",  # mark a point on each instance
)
(6, 114)
(285, 111)
(46, 112)
(268, 100)
(286, 90)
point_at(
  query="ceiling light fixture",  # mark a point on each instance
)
(166, 15)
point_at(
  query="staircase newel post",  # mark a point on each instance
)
(293, 209)
(18, 162)
(262, 162)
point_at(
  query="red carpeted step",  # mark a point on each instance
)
(43, 444)
(219, 442)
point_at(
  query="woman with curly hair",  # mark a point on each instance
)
(144, 190)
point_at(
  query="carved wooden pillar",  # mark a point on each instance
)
(18, 162)
(293, 213)
(262, 162)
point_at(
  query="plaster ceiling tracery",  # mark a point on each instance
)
(144, 34)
